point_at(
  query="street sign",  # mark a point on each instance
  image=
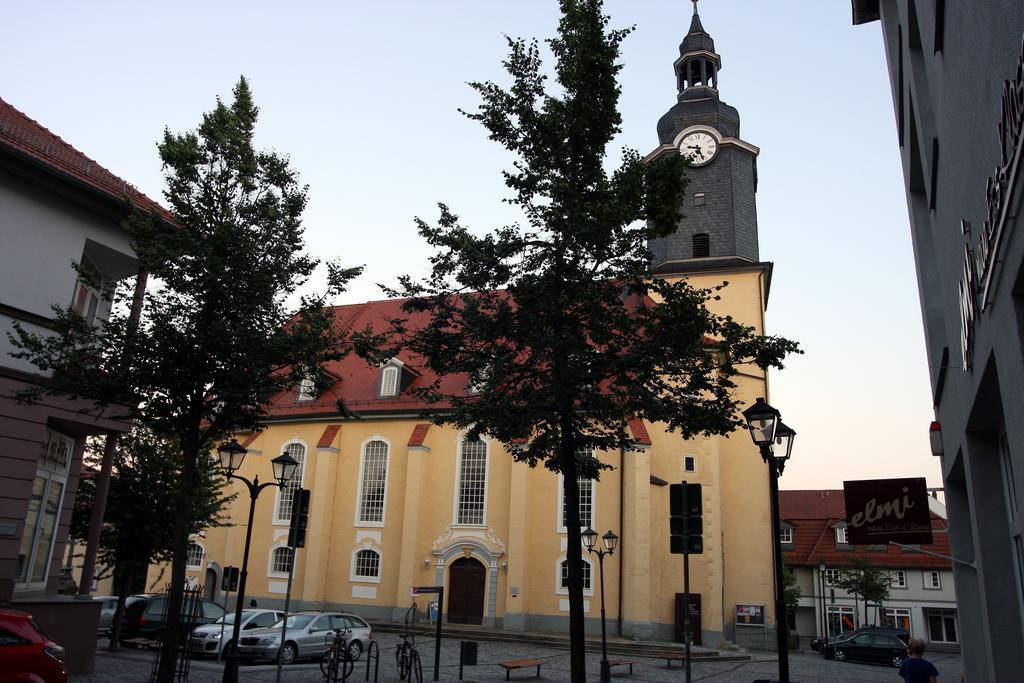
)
(300, 519)
(422, 590)
(686, 524)
(879, 511)
(677, 546)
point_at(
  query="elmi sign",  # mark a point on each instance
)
(883, 510)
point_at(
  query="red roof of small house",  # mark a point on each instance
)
(30, 140)
(419, 434)
(327, 438)
(640, 434)
(813, 516)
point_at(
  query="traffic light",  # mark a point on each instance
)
(300, 519)
(686, 522)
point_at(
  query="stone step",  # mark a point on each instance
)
(617, 646)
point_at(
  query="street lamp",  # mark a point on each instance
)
(231, 455)
(775, 442)
(611, 541)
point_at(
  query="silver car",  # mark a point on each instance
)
(214, 639)
(108, 609)
(309, 634)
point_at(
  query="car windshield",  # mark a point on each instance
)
(229, 617)
(298, 620)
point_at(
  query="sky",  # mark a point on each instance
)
(364, 98)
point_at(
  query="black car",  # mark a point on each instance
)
(900, 633)
(881, 648)
(147, 618)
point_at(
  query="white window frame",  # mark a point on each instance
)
(278, 520)
(840, 611)
(307, 389)
(786, 535)
(390, 369)
(942, 613)
(559, 590)
(357, 578)
(841, 536)
(689, 459)
(49, 475)
(188, 554)
(898, 578)
(560, 521)
(832, 582)
(359, 487)
(458, 482)
(271, 572)
(930, 585)
(896, 613)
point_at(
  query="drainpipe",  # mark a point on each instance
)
(622, 490)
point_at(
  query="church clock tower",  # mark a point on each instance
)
(719, 229)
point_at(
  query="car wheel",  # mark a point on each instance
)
(896, 661)
(840, 655)
(355, 650)
(225, 651)
(288, 653)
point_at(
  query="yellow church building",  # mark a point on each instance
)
(397, 502)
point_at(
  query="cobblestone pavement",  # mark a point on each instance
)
(134, 666)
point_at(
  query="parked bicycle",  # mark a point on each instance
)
(406, 655)
(337, 662)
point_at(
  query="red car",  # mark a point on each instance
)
(26, 653)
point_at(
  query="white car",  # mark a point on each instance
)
(214, 639)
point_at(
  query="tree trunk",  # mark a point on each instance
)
(573, 552)
(182, 524)
(124, 584)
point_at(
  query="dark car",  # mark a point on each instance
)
(900, 633)
(881, 648)
(147, 618)
(26, 653)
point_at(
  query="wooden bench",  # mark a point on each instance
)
(623, 662)
(674, 658)
(511, 664)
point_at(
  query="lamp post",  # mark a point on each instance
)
(610, 542)
(231, 456)
(775, 442)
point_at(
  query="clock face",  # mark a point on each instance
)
(699, 147)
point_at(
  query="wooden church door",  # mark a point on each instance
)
(466, 588)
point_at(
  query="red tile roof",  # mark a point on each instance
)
(419, 433)
(249, 439)
(640, 434)
(327, 438)
(813, 515)
(29, 139)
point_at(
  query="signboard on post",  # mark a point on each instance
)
(230, 581)
(750, 614)
(883, 510)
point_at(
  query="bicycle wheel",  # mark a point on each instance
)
(325, 663)
(402, 661)
(415, 668)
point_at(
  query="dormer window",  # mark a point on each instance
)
(841, 538)
(389, 376)
(307, 388)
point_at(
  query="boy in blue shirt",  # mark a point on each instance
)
(917, 669)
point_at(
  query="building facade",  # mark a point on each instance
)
(922, 598)
(57, 206)
(398, 503)
(957, 76)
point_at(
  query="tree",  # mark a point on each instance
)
(217, 339)
(146, 477)
(562, 332)
(869, 582)
(791, 592)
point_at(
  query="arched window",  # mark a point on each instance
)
(563, 575)
(366, 564)
(472, 503)
(194, 558)
(286, 493)
(701, 245)
(281, 560)
(586, 497)
(389, 381)
(373, 483)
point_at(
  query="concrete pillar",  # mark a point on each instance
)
(518, 548)
(636, 547)
(409, 558)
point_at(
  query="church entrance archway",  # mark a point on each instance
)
(210, 585)
(467, 579)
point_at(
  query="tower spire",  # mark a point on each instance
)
(695, 7)
(698, 64)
